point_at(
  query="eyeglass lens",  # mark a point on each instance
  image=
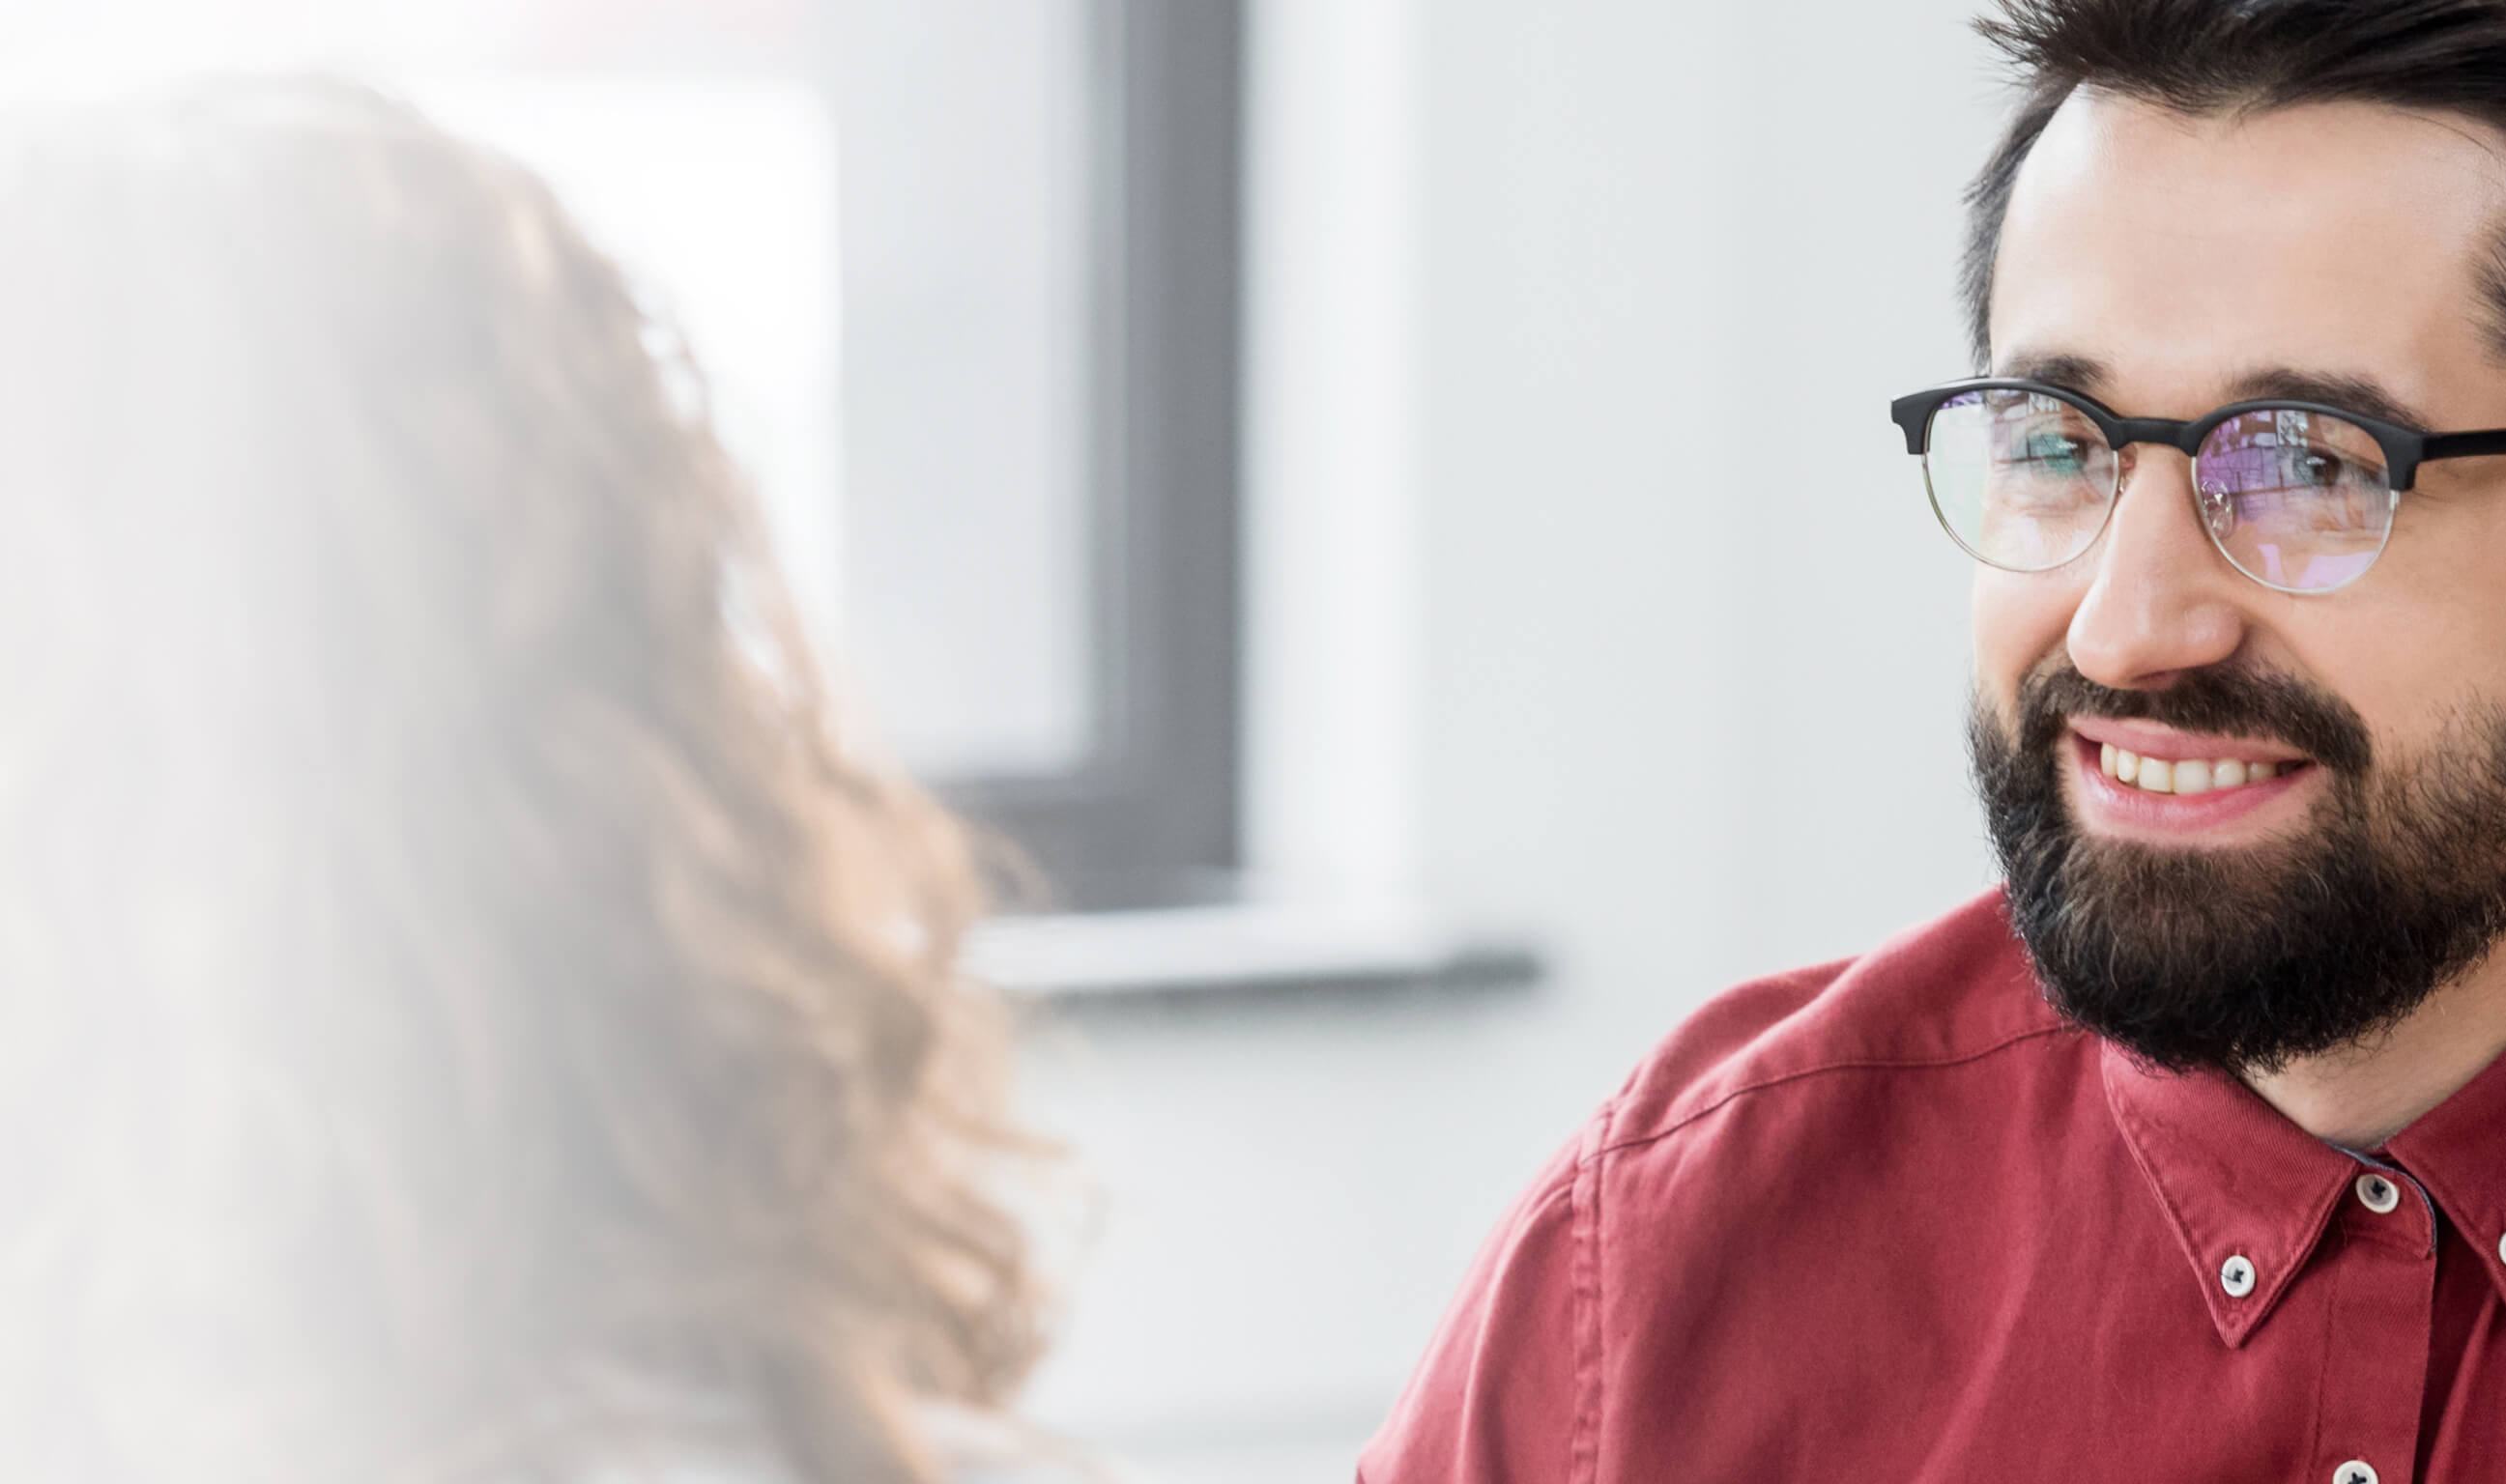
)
(2299, 500)
(2295, 499)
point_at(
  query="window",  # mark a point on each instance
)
(962, 275)
(1041, 362)
(968, 297)
(968, 279)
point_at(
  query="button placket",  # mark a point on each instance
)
(2381, 1285)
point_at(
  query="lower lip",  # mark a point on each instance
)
(2122, 806)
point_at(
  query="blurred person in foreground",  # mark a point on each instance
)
(463, 1014)
(2183, 1154)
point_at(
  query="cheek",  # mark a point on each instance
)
(2018, 618)
(2423, 634)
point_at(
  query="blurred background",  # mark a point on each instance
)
(1389, 504)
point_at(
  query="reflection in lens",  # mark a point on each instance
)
(2021, 480)
(2294, 498)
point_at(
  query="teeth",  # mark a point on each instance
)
(2190, 775)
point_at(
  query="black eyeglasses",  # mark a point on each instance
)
(2296, 495)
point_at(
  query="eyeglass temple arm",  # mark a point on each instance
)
(2463, 446)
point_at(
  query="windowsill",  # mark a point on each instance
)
(1240, 948)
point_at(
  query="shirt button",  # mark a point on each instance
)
(2236, 1275)
(2354, 1471)
(2376, 1193)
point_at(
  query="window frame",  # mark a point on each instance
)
(1153, 818)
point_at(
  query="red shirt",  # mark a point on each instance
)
(1891, 1219)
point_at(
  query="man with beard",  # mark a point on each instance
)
(2184, 1154)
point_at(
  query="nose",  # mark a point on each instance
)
(2161, 599)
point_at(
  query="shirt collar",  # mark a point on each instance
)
(2236, 1179)
(2458, 1150)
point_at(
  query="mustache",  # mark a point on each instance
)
(2222, 700)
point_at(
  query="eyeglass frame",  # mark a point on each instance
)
(2405, 448)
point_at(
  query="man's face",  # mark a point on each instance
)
(2165, 266)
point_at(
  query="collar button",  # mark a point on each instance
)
(2376, 1193)
(2237, 1276)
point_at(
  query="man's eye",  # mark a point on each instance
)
(2055, 449)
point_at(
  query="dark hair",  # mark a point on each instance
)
(2210, 57)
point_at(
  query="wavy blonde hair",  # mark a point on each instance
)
(466, 1014)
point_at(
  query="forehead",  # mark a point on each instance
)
(2183, 251)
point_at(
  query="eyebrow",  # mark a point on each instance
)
(2277, 383)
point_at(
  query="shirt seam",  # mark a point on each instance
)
(2324, 1376)
(1859, 1064)
(1583, 1195)
(1584, 1209)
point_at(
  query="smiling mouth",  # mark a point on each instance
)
(2187, 775)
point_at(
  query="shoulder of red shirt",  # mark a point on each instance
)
(1509, 1388)
(1945, 992)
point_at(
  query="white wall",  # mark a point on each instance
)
(1690, 657)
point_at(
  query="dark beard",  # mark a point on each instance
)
(2244, 959)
